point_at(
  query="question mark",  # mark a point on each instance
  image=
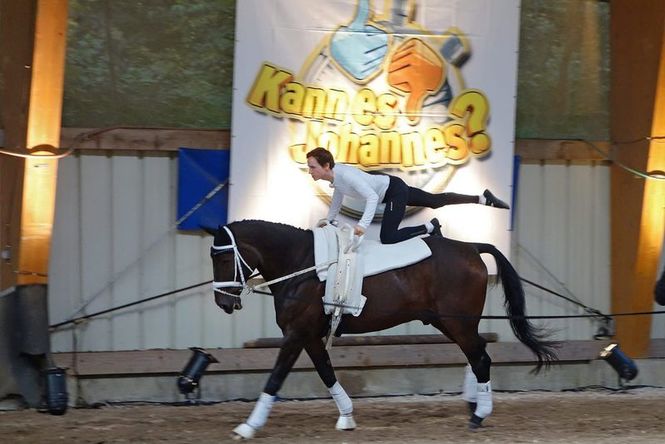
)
(474, 103)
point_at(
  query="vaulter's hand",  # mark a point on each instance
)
(358, 230)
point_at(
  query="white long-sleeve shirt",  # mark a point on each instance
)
(350, 181)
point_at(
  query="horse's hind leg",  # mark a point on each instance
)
(288, 355)
(319, 356)
(478, 371)
(477, 391)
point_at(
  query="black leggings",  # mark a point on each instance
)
(398, 196)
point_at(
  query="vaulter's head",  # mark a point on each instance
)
(320, 163)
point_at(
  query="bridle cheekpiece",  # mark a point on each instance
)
(238, 262)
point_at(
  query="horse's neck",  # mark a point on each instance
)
(283, 249)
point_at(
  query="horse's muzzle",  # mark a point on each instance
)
(228, 303)
(237, 303)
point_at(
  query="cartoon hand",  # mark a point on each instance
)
(359, 48)
(455, 51)
(418, 70)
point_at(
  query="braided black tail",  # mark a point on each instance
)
(529, 335)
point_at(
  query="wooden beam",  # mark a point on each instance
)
(562, 151)
(637, 42)
(550, 151)
(17, 24)
(44, 122)
(150, 139)
(371, 340)
(151, 362)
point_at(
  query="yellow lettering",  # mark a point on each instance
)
(391, 150)
(347, 150)
(315, 103)
(267, 87)
(314, 130)
(364, 107)
(434, 145)
(457, 150)
(412, 149)
(336, 105)
(291, 100)
(480, 144)
(474, 104)
(298, 152)
(369, 150)
(330, 141)
(387, 112)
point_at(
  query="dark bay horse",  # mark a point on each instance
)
(446, 290)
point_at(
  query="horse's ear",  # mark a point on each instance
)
(211, 231)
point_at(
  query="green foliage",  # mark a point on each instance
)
(564, 64)
(149, 63)
(170, 63)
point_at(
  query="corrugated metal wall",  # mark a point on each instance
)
(115, 242)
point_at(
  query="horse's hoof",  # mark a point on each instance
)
(475, 422)
(472, 407)
(243, 431)
(345, 422)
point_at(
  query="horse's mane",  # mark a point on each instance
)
(275, 225)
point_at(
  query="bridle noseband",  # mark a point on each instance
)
(238, 263)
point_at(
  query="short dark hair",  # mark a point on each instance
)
(323, 156)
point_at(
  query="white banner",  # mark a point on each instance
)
(422, 89)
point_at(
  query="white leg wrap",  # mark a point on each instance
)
(345, 422)
(244, 431)
(470, 389)
(344, 404)
(345, 407)
(484, 400)
(258, 417)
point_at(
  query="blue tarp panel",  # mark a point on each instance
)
(199, 172)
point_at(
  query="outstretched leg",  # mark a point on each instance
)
(321, 359)
(288, 355)
(420, 198)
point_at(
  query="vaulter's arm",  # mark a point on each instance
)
(335, 205)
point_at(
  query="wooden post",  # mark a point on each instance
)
(33, 39)
(34, 44)
(44, 122)
(17, 28)
(637, 101)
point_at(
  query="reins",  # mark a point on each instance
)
(292, 275)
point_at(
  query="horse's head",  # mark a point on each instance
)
(230, 270)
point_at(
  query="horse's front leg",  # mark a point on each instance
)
(319, 356)
(288, 354)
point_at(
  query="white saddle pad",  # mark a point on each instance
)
(376, 257)
(345, 284)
